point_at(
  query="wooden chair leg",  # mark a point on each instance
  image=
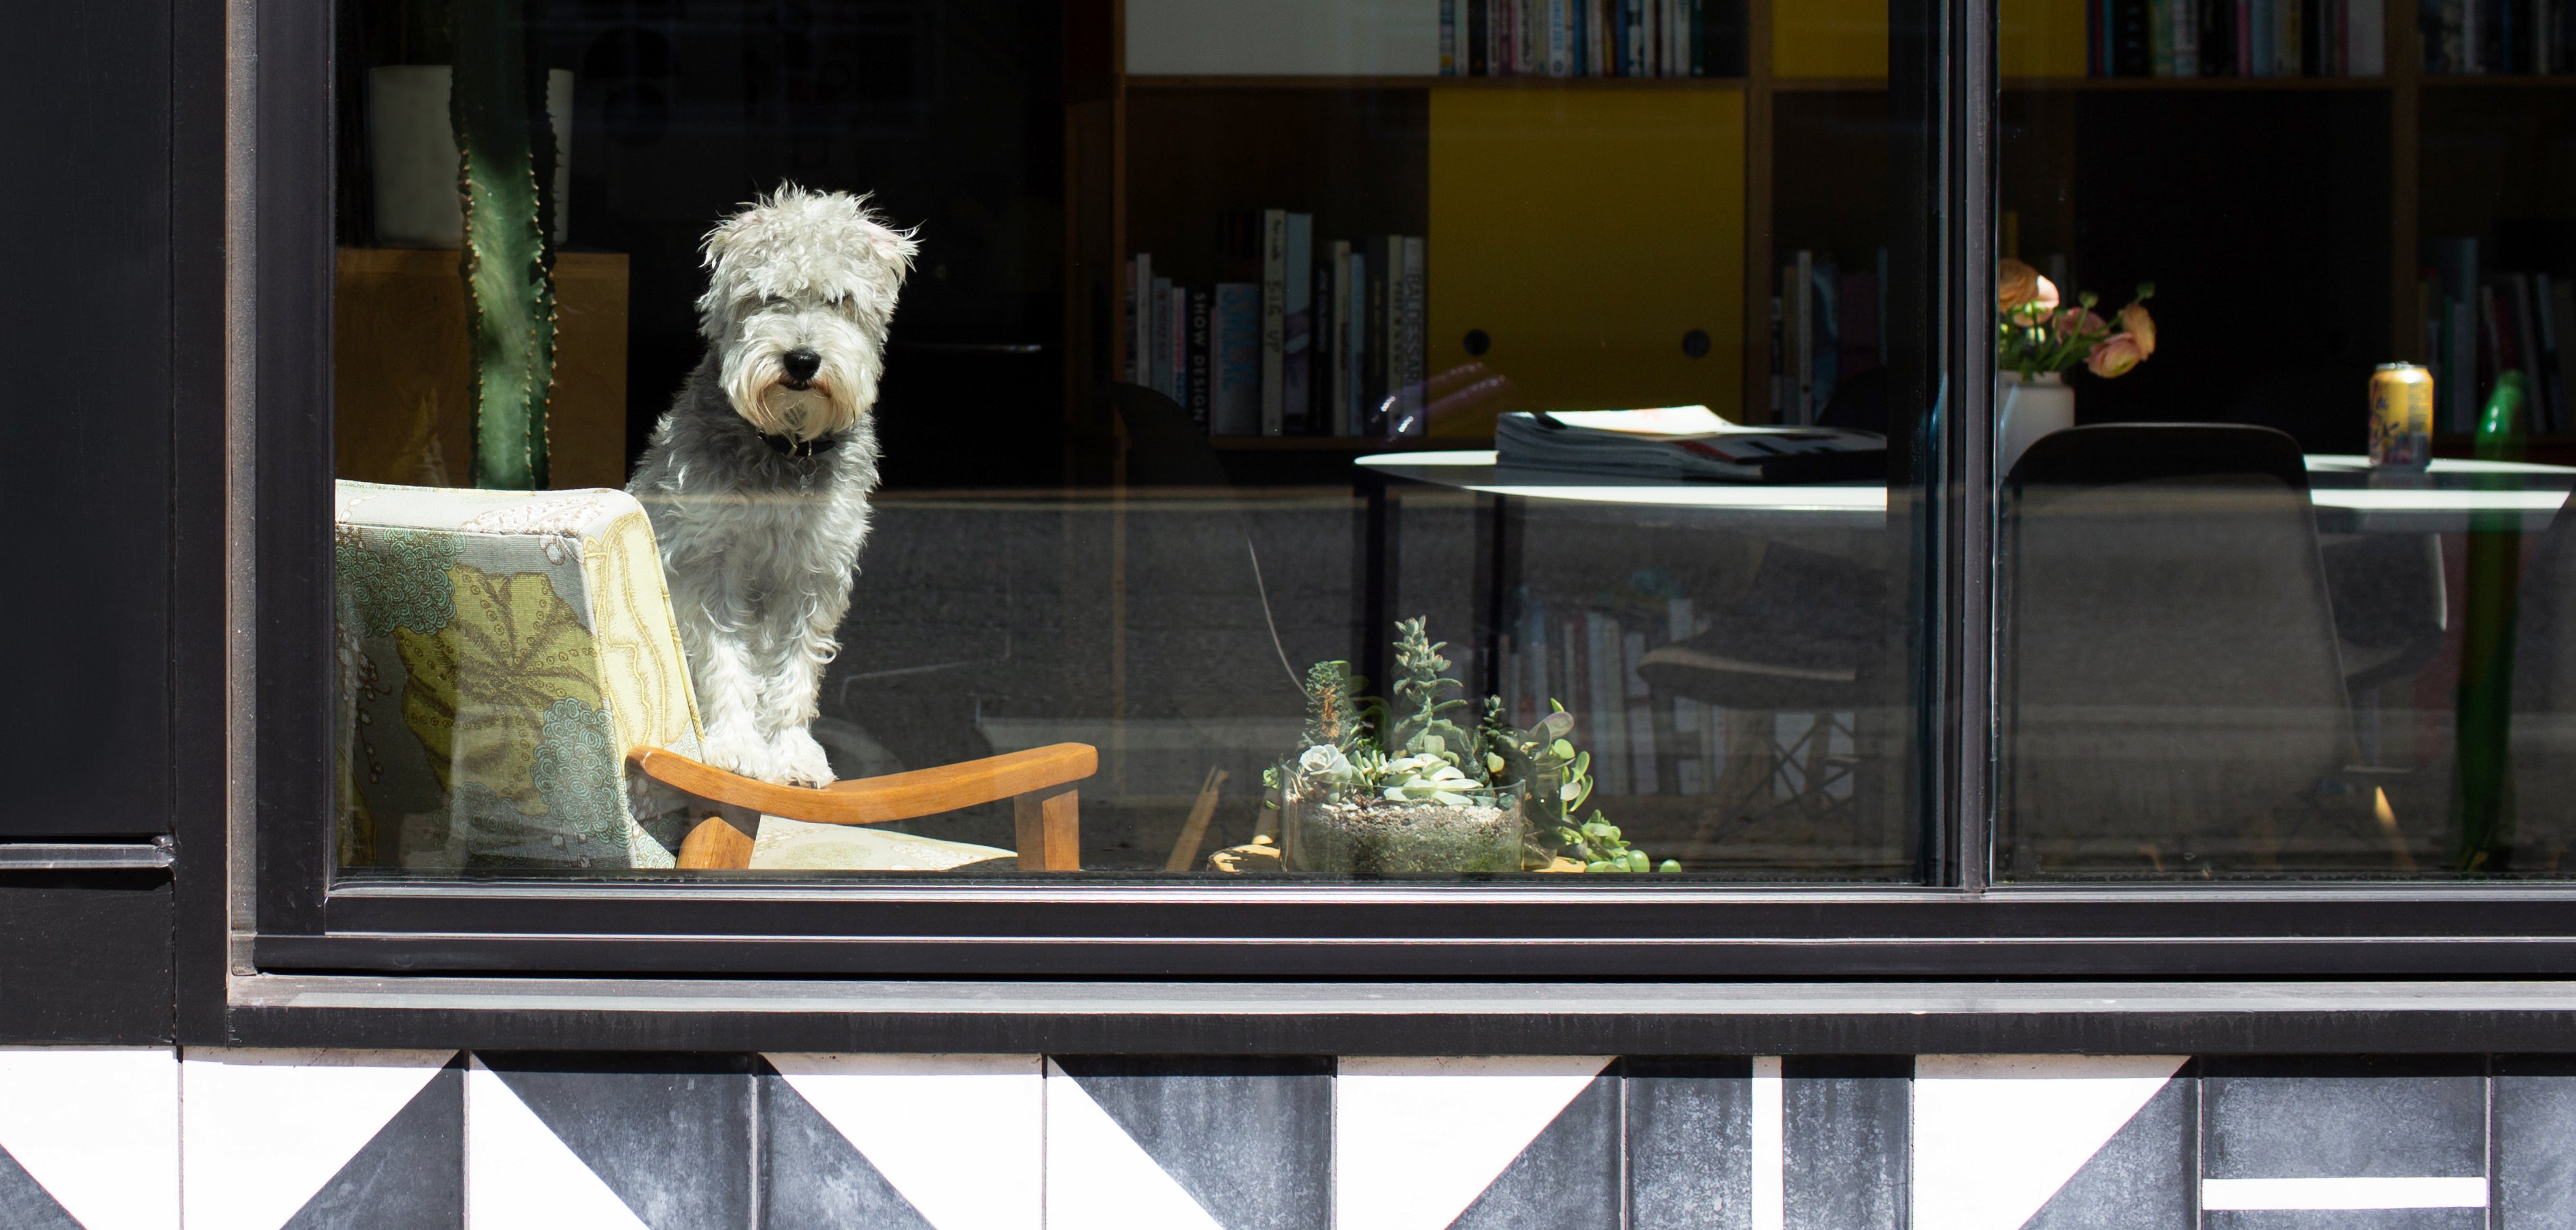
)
(1050, 829)
(721, 842)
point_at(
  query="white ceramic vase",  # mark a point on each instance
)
(2025, 410)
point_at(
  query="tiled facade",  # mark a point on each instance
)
(147, 1139)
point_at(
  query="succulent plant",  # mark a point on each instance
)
(505, 150)
(1412, 751)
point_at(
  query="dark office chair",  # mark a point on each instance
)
(2168, 663)
(1165, 447)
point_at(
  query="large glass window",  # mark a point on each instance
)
(1457, 437)
(2282, 428)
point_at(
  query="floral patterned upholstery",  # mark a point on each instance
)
(498, 653)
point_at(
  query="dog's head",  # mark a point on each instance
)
(800, 295)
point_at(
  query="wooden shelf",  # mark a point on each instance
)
(1144, 81)
(1873, 85)
(2492, 81)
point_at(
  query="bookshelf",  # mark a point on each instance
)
(1781, 160)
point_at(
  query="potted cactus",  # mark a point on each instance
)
(1402, 786)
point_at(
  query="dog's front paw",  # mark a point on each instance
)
(739, 750)
(800, 761)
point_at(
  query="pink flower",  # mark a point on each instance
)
(2114, 355)
(2079, 322)
(2047, 296)
(2017, 286)
(2140, 326)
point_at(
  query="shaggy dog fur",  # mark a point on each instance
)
(757, 480)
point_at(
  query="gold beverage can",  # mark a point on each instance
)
(2401, 417)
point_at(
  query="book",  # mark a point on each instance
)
(1274, 320)
(2186, 37)
(2160, 38)
(1140, 320)
(1560, 40)
(1479, 37)
(1448, 38)
(1297, 327)
(1824, 345)
(1354, 341)
(1409, 345)
(1324, 416)
(1801, 303)
(1682, 444)
(1383, 259)
(1158, 345)
(1234, 358)
(1198, 401)
(2365, 37)
(1179, 378)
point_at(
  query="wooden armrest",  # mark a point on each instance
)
(877, 800)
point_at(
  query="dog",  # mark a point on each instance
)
(757, 479)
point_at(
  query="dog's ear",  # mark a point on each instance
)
(895, 248)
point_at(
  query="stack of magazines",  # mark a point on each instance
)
(1684, 444)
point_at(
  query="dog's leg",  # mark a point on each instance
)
(794, 693)
(730, 702)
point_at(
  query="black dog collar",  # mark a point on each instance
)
(789, 446)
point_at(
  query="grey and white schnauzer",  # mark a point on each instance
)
(757, 480)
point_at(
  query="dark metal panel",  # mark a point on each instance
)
(291, 228)
(1408, 1019)
(199, 626)
(85, 957)
(85, 332)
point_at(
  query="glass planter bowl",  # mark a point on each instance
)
(1329, 827)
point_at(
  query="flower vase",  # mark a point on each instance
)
(2027, 408)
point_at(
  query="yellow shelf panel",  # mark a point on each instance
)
(1848, 38)
(1586, 232)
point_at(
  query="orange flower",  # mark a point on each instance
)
(2114, 355)
(2016, 285)
(2140, 327)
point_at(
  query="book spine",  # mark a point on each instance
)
(2186, 37)
(2367, 54)
(1480, 34)
(1180, 377)
(1355, 345)
(1448, 38)
(1698, 38)
(1382, 260)
(2160, 31)
(1417, 301)
(1138, 368)
(1274, 321)
(1199, 403)
(1234, 338)
(1297, 326)
(1327, 360)
(2243, 29)
(1802, 315)
(1560, 41)
(1159, 344)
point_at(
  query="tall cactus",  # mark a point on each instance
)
(502, 143)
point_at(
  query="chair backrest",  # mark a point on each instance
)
(2168, 663)
(499, 652)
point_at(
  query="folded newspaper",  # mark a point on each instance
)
(1686, 443)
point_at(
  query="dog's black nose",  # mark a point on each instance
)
(801, 364)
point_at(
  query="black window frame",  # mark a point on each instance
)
(285, 914)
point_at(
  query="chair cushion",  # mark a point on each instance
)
(498, 652)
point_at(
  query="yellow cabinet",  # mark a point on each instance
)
(1584, 234)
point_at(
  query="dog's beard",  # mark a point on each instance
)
(808, 413)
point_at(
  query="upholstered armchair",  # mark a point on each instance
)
(513, 694)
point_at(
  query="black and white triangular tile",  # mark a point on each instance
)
(1998, 1137)
(1418, 1141)
(520, 1175)
(670, 1134)
(272, 1138)
(946, 1142)
(1690, 1142)
(2141, 1179)
(1099, 1178)
(2389, 1143)
(1565, 1178)
(89, 1138)
(2535, 1140)
(1249, 1140)
(1845, 1128)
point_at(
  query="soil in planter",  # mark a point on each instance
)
(1374, 839)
